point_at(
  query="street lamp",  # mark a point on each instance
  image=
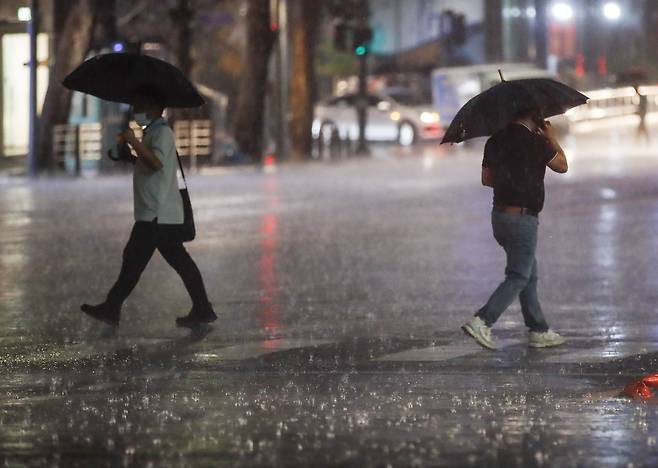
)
(515, 12)
(612, 11)
(24, 14)
(562, 11)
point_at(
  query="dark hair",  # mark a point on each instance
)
(150, 95)
(533, 112)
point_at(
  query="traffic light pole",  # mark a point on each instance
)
(282, 74)
(361, 35)
(362, 105)
(362, 39)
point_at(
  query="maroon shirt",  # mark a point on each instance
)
(518, 159)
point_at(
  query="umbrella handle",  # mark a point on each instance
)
(123, 154)
(109, 155)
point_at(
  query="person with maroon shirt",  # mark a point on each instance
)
(514, 165)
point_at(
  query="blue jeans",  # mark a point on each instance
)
(517, 234)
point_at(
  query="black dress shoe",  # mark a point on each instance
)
(197, 317)
(103, 312)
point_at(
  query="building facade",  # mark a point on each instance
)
(416, 31)
(14, 72)
(585, 41)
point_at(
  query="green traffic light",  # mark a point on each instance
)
(361, 50)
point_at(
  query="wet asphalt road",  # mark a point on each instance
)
(340, 289)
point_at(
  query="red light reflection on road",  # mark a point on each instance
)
(269, 228)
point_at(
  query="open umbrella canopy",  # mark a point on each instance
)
(493, 109)
(116, 77)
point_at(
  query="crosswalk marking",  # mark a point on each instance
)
(57, 354)
(254, 350)
(442, 352)
(433, 353)
(615, 350)
(209, 352)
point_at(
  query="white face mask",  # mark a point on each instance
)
(142, 119)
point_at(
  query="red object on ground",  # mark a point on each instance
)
(269, 160)
(641, 389)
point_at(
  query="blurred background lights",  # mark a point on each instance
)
(24, 14)
(562, 11)
(612, 11)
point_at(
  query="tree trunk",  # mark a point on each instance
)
(651, 31)
(493, 30)
(305, 21)
(105, 24)
(182, 17)
(251, 101)
(72, 45)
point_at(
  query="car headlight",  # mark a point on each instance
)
(429, 117)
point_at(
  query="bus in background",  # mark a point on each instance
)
(452, 87)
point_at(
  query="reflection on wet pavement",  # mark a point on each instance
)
(341, 289)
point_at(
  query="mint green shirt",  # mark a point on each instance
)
(156, 193)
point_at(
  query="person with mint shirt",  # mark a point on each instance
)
(157, 202)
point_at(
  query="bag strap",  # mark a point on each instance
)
(181, 169)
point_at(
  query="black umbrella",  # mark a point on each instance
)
(116, 77)
(496, 107)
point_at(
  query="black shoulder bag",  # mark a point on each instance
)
(180, 232)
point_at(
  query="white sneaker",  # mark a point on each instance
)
(545, 339)
(478, 330)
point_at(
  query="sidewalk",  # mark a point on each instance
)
(12, 166)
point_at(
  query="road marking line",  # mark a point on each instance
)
(253, 350)
(605, 353)
(62, 354)
(442, 352)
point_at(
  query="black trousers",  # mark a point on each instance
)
(138, 252)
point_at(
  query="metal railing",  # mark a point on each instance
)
(193, 139)
(613, 102)
(75, 144)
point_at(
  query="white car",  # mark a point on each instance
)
(388, 120)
